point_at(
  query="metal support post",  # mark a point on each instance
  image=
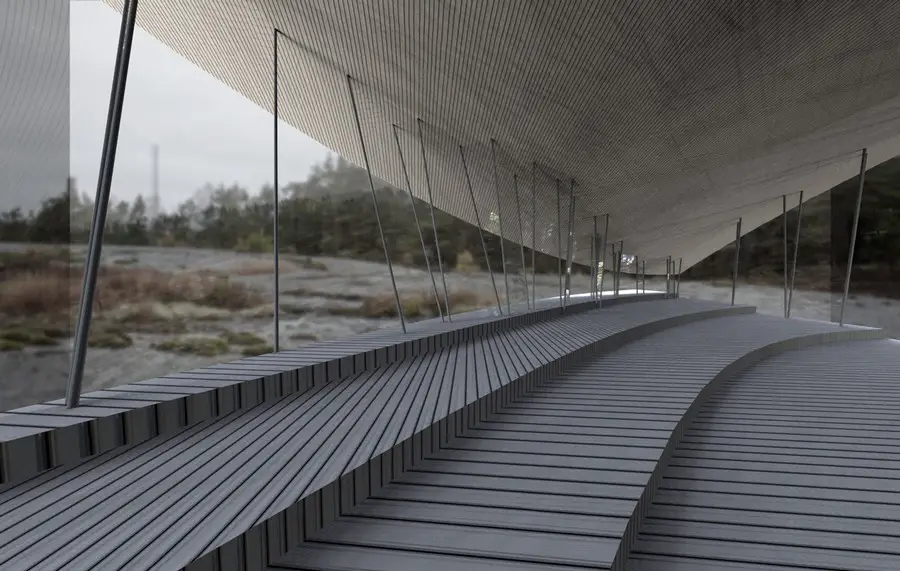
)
(98, 219)
(644, 276)
(602, 267)
(559, 243)
(859, 195)
(796, 251)
(533, 235)
(412, 204)
(276, 329)
(784, 265)
(678, 279)
(613, 270)
(636, 276)
(387, 255)
(500, 224)
(595, 264)
(487, 260)
(570, 243)
(437, 244)
(521, 237)
(737, 255)
(668, 276)
(620, 263)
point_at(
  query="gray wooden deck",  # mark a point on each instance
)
(558, 479)
(793, 465)
(164, 502)
(529, 442)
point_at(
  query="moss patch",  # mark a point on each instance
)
(201, 346)
(259, 349)
(27, 336)
(8, 345)
(244, 338)
(110, 340)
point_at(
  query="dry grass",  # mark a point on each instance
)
(202, 346)
(259, 349)
(420, 304)
(244, 338)
(39, 285)
(258, 267)
(306, 292)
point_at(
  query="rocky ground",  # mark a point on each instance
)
(163, 328)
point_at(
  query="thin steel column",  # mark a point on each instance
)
(595, 265)
(678, 279)
(784, 230)
(859, 195)
(487, 260)
(387, 255)
(669, 276)
(437, 244)
(559, 243)
(533, 235)
(621, 263)
(570, 243)
(636, 276)
(644, 276)
(275, 306)
(614, 269)
(796, 250)
(521, 237)
(737, 255)
(98, 219)
(603, 254)
(412, 204)
(500, 223)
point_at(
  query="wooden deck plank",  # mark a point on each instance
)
(796, 462)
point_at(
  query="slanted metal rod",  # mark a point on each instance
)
(521, 238)
(487, 260)
(387, 255)
(276, 326)
(737, 255)
(437, 244)
(784, 232)
(796, 251)
(98, 219)
(412, 204)
(500, 224)
(859, 195)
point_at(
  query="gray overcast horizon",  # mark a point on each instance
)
(206, 132)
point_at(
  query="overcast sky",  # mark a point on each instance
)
(205, 131)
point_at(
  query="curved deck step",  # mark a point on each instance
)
(793, 465)
(44, 436)
(562, 476)
(294, 463)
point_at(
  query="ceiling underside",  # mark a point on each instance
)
(675, 118)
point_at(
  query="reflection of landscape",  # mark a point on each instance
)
(163, 310)
(193, 286)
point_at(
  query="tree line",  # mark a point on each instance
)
(331, 214)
